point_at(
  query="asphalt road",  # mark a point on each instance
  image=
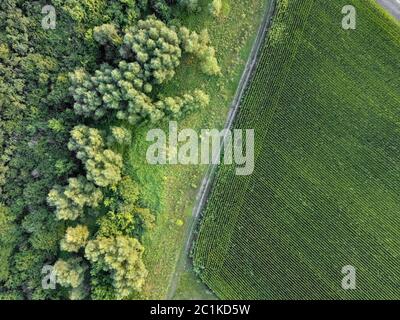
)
(208, 179)
(393, 6)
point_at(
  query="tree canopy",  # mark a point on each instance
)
(122, 257)
(71, 101)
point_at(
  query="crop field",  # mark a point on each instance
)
(325, 106)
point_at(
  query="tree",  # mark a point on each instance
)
(155, 47)
(79, 293)
(152, 51)
(122, 90)
(104, 169)
(87, 101)
(103, 166)
(125, 216)
(198, 45)
(70, 201)
(209, 62)
(179, 106)
(70, 272)
(75, 238)
(161, 9)
(26, 268)
(36, 118)
(120, 136)
(145, 218)
(85, 141)
(9, 235)
(55, 125)
(11, 295)
(122, 257)
(116, 223)
(106, 35)
(190, 5)
(43, 229)
(128, 190)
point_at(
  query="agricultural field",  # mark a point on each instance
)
(324, 103)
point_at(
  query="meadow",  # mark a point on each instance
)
(324, 103)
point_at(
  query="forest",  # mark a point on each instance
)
(71, 100)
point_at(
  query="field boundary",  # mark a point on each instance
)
(208, 180)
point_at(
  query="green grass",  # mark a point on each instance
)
(170, 191)
(191, 287)
(324, 104)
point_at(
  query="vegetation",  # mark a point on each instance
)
(324, 193)
(71, 100)
(75, 238)
(216, 7)
(170, 190)
(123, 257)
(70, 201)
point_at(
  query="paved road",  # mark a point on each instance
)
(207, 182)
(393, 6)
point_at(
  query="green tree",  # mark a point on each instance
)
(122, 257)
(161, 9)
(120, 136)
(9, 234)
(86, 142)
(75, 238)
(146, 219)
(126, 216)
(198, 45)
(107, 34)
(79, 292)
(190, 5)
(176, 107)
(123, 90)
(155, 47)
(103, 166)
(104, 169)
(56, 125)
(43, 229)
(70, 201)
(70, 272)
